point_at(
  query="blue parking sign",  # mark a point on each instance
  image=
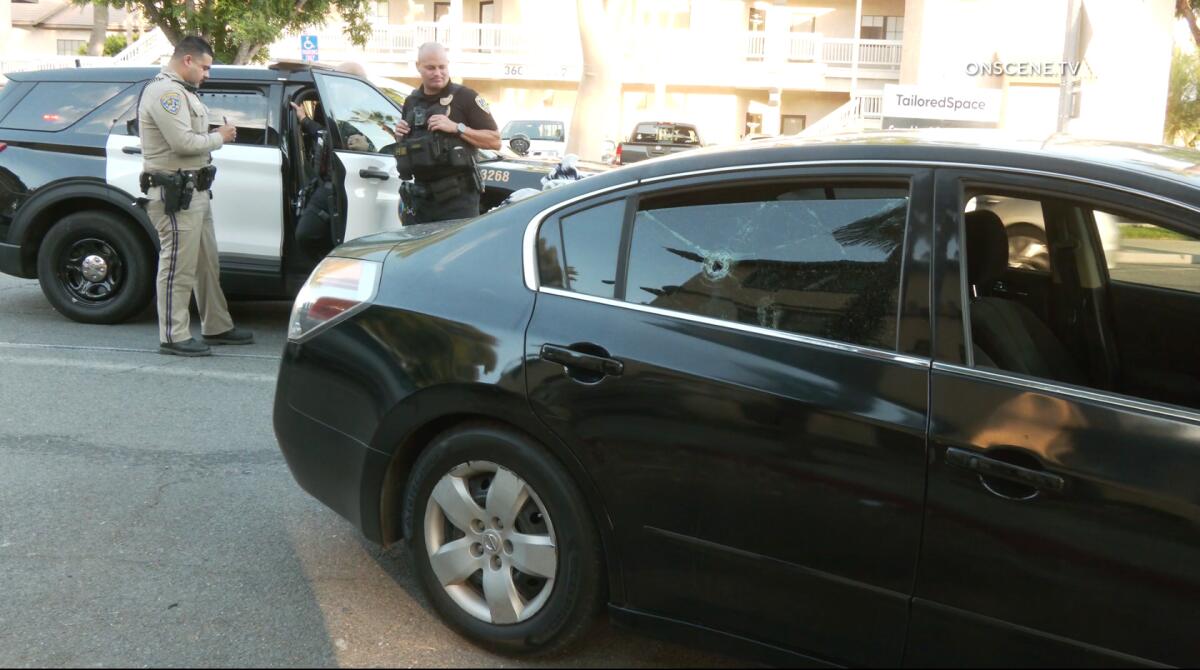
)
(308, 48)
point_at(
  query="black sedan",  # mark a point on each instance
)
(794, 398)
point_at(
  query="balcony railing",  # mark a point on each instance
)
(648, 53)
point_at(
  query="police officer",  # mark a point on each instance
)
(443, 125)
(177, 174)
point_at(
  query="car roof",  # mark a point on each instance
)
(1143, 166)
(140, 73)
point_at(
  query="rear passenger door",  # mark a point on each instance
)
(1061, 518)
(738, 359)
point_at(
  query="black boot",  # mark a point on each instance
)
(231, 336)
(188, 347)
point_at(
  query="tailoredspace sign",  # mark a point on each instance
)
(921, 107)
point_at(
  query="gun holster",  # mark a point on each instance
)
(177, 188)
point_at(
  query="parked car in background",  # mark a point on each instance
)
(787, 398)
(544, 138)
(657, 138)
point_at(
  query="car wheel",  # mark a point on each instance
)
(501, 541)
(94, 267)
(1027, 247)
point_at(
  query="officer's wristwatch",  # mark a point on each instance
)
(462, 128)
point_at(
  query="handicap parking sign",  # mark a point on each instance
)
(308, 47)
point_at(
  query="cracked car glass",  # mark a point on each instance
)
(819, 261)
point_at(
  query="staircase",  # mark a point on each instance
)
(859, 113)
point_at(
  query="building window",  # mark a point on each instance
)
(882, 28)
(487, 12)
(440, 11)
(664, 14)
(794, 123)
(758, 19)
(70, 47)
(380, 11)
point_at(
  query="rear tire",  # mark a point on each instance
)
(551, 611)
(95, 267)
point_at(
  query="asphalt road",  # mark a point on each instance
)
(147, 518)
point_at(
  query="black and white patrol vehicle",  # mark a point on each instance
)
(70, 158)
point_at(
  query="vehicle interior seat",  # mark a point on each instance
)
(1009, 333)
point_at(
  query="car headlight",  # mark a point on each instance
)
(337, 289)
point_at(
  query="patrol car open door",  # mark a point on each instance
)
(360, 120)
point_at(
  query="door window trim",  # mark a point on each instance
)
(1070, 391)
(633, 200)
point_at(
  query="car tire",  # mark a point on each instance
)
(554, 615)
(95, 267)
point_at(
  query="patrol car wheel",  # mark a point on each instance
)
(501, 541)
(95, 268)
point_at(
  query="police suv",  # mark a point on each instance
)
(70, 159)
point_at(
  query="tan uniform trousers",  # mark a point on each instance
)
(187, 263)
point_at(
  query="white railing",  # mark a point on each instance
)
(849, 115)
(803, 47)
(756, 45)
(147, 50)
(837, 120)
(872, 106)
(51, 63)
(839, 51)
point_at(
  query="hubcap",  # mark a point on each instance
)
(491, 543)
(94, 268)
(91, 271)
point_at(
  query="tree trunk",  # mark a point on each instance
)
(598, 106)
(99, 28)
(1184, 8)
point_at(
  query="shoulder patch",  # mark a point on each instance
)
(171, 101)
(482, 104)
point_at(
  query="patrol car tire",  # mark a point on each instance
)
(559, 618)
(95, 267)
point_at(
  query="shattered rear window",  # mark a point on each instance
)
(812, 259)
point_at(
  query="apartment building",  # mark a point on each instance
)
(733, 67)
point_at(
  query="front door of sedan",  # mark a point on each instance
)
(1061, 524)
(722, 354)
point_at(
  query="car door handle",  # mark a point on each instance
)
(374, 173)
(582, 361)
(990, 467)
(131, 150)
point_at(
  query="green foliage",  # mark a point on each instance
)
(239, 30)
(1183, 100)
(113, 45)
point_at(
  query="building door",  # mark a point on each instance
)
(793, 124)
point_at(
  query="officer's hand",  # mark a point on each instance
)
(443, 123)
(401, 128)
(228, 133)
(300, 113)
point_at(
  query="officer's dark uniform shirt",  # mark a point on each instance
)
(461, 104)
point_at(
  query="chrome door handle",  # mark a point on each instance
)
(581, 361)
(990, 467)
(373, 173)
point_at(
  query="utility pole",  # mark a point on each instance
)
(1066, 81)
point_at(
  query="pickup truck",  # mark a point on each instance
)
(656, 138)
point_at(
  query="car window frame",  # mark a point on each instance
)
(271, 96)
(331, 120)
(69, 128)
(913, 338)
(952, 324)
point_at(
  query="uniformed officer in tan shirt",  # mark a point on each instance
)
(177, 151)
